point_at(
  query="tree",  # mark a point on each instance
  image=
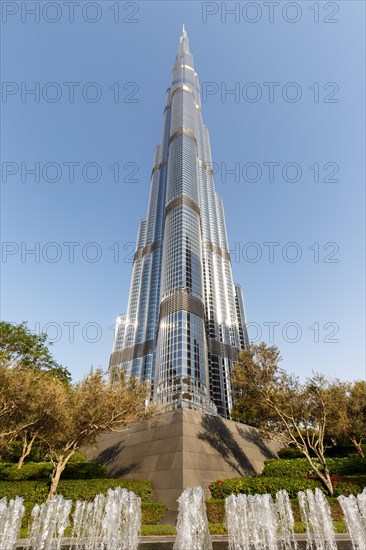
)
(30, 399)
(11, 388)
(89, 408)
(356, 413)
(42, 394)
(19, 348)
(7, 407)
(348, 418)
(282, 408)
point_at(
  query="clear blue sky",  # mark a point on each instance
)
(326, 62)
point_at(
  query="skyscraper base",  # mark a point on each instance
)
(180, 449)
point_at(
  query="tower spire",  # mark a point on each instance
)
(183, 43)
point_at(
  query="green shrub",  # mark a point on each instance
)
(339, 527)
(29, 471)
(42, 470)
(289, 452)
(217, 529)
(36, 491)
(215, 509)
(353, 465)
(299, 467)
(299, 527)
(85, 470)
(152, 512)
(33, 491)
(37, 454)
(78, 457)
(261, 485)
(348, 485)
(292, 468)
(157, 530)
(87, 489)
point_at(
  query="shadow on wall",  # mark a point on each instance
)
(109, 457)
(218, 435)
(252, 436)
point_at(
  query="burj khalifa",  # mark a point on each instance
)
(185, 323)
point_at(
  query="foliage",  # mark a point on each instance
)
(158, 530)
(348, 419)
(37, 453)
(299, 467)
(152, 512)
(293, 468)
(89, 408)
(30, 386)
(36, 492)
(289, 452)
(339, 527)
(282, 408)
(19, 348)
(261, 485)
(217, 529)
(333, 450)
(42, 471)
(215, 509)
(37, 406)
(33, 399)
(348, 485)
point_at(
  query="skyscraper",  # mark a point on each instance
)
(185, 322)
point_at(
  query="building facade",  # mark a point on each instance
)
(185, 323)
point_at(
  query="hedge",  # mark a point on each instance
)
(333, 451)
(348, 485)
(37, 454)
(216, 510)
(289, 452)
(299, 467)
(36, 491)
(42, 470)
(157, 530)
(152, 512)
(261, 485)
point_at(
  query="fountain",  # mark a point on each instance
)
(10, 521)
(286, 523)
(192, 525)
(108, 522)
(316, 514)
(48, 524)
(111, 522)
(354, 511)
(254, 521)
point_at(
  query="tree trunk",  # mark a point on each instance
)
(328, 482)
(55, 478)
(358, 447)
(57, 471)
(27, 447)
(323, 476)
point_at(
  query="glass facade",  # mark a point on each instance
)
(185, 322)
